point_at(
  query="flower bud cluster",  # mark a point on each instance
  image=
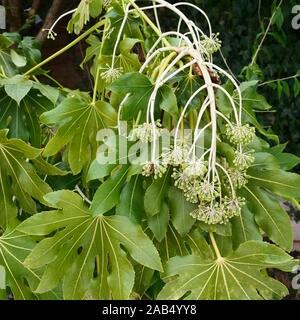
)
(144, 132)
(111, 74)
(238, 177)
(243, 160)
(211, 44)
(155, 167)
(239, 134)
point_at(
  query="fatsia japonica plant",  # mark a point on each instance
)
(159, 184)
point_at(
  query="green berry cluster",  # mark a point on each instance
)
(211, 44)
(240, 134)
(144, 132)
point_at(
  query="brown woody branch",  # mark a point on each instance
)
(53, 13)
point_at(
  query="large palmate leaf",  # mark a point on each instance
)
(187, 84)
(8, 66)
(130, 30)
(14, 248)
(240, 275)
(270, 216)
(18, 177)
(173, 245)
(155, 194)
(244, 228)
(285, 184)
(130, 204)
(79, 122)
(180, 210)
(141, 88)
(83, 243)
(108, 194)
(22, 119)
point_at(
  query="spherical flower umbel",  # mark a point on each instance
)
(210, 214)
(208, 191)
(239, 134)
(243, 160)
(233, 206)
(181, 178)
(192, 190)
(155, 167)
(106, 4)
(144, 132)
(195, 168)
(175, 155)
(211, 44)
(238, 177)
(111, 74)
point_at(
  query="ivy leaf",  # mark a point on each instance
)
(17, 87)
(108, 194)
(141, 88)
(238, 276)
(270, 216)
(81, 240)
(79, 123)
(93, 49)
(25, 183)
(131, 27)
(287, 161)
(14, 248)
(180, 210)
(128, 61)
(175, 245)
(47, 91)
(156, 193)
(130, 204)
(264, 160)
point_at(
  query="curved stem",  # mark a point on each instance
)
(61, 51)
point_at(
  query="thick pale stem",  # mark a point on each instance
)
(213, 242)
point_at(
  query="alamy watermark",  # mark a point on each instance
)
(296, 18)
(296, 278)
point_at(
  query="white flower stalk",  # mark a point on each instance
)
(51, 33)
(203, 179)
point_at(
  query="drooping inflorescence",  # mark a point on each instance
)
(207, 179)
